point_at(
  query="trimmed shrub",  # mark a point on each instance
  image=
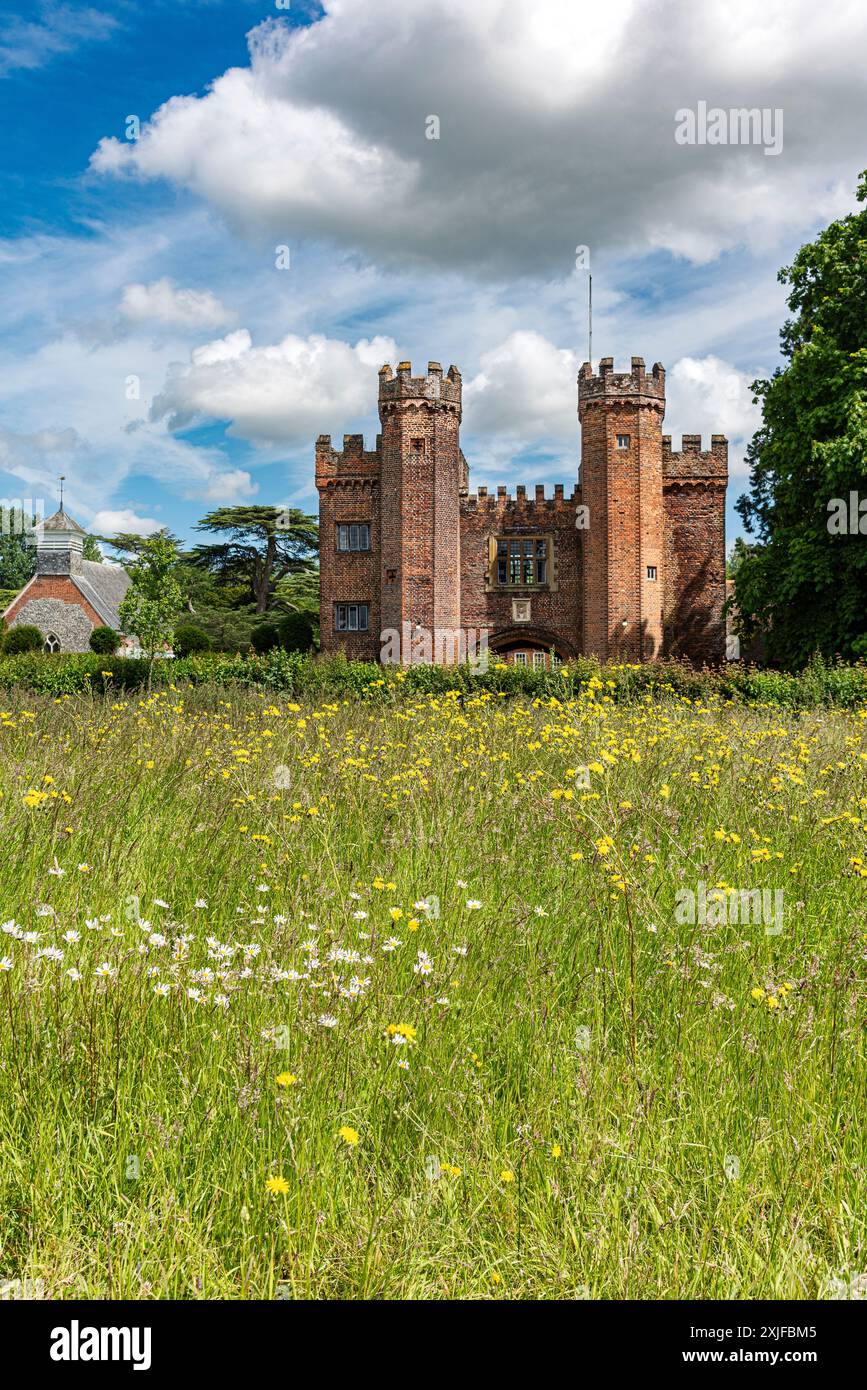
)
(104, 641)
(264, 638)
(23, 639)
(189, 639)
(298, 632)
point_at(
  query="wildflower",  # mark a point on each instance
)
(105, 970)
(286, 1079)
(507, 1176)
(556, 1151)
(278, 1186)
(5, 964)
(757, 994)
(349, 1135)
(327, 1021)
(424, 964)
(404, 1031)
(473, 905)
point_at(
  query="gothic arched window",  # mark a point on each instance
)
(52, 643)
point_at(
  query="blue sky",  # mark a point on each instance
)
(151, 349)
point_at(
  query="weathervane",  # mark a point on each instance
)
(62, 480)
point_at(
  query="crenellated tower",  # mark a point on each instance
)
(423, 475)
(621, 483)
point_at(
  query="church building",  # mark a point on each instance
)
(68, 596)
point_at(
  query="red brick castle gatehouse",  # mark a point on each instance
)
(630, 566)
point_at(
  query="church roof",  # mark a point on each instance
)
(62, 521)
(104, 587)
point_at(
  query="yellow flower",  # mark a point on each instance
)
(395, 913)
(277, 1186)
(757, 993)
(556, 1151)
(772, 1002)
(286, 1079)
(496, 1278)
(405, 1030)
(349, 1135)
(507, 1176)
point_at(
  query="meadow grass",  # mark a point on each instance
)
(420, 964)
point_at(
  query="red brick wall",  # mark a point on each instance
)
(556, 609)
(694, 492)
(349, 490)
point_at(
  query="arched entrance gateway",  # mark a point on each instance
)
(530, 646)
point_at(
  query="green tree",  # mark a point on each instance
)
(805, 582)
(17, 549)
(151, 605)
(264, 546)
(740, 551)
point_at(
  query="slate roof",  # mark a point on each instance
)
(104, 587)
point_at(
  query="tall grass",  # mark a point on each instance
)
(598, 1099)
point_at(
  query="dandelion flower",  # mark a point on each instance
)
(349, 1135)
(286, 1079)
(279, 1186)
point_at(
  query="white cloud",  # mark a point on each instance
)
(164, 302)
(31, 44)
(324, 133)
(525, 386)
(111, 523)
(708, 397)
(285, 393)
(227, 487)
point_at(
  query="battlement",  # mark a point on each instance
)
(436, 389)
(691, 461)
(351, 463)
(501, 500)
(608, 385)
